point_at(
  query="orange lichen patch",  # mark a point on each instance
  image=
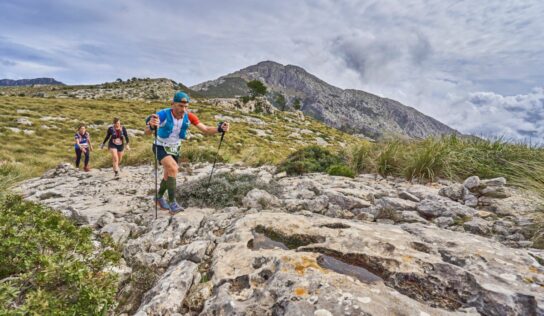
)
(305, 263)
(299, 291)
(407, 259)
(533, 269)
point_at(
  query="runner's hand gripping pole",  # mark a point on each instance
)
(220, 130)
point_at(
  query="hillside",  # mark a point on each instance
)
(341, 226)
(353, 111)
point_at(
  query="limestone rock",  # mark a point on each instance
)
(119, 232)
(408, 196)
(166, 297)
(105, 219)
(454, 192)
(495, 182)
(473, 183)
(260, 199)
(478, 226)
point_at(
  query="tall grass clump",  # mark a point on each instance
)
(452, 157)
(428, 160)
(359, 158)
(389, 158)
(522, 164)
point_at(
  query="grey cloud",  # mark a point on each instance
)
(427, 54)
(515, 117)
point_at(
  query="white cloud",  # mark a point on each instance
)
(427, 54)
(516, 117)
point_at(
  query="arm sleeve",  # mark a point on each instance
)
(126, 134)
(108, 135)
(193, 119)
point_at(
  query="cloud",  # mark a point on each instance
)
(517, 117)
(431, 55)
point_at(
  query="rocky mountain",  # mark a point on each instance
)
(350, 110)
(29, 82)
(312, 244)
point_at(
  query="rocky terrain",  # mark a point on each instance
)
(313, 244)
(354, 111)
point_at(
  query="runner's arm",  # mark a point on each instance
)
(108, 135)
(125, 133)
(210, 130)
(89, 140)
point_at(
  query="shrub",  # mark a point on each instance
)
(49, 266)
(309, 159)
(256, 88)
(341, 170)
(245, 99)
(224, 190)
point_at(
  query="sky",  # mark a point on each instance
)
(477, 66)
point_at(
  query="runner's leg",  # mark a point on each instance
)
(170, 172)
(78, 157)
(87, 158)
(114, 159)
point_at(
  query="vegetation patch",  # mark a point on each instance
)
(341, 170)
(224, 190)
(309, 159)
(49, 266)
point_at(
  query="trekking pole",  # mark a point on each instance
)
(215, 160)
(156, 169)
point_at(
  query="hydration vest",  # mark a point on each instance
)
(165, 129)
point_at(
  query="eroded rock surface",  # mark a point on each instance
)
(317, 245)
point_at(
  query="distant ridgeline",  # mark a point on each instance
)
(29, 82)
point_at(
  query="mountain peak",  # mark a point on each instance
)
(353, 111)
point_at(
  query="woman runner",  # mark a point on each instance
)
(83, 145)
(117, 136)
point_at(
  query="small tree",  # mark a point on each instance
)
(256, 88)
(280, 102)
(296, 104)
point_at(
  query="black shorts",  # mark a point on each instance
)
(119, 148)
(161, 153)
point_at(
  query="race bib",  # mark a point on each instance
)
(118, 141)
(172, 149)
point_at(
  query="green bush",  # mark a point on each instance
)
(49, 266)
(224, 190)
(309, 159)
(341, 170)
